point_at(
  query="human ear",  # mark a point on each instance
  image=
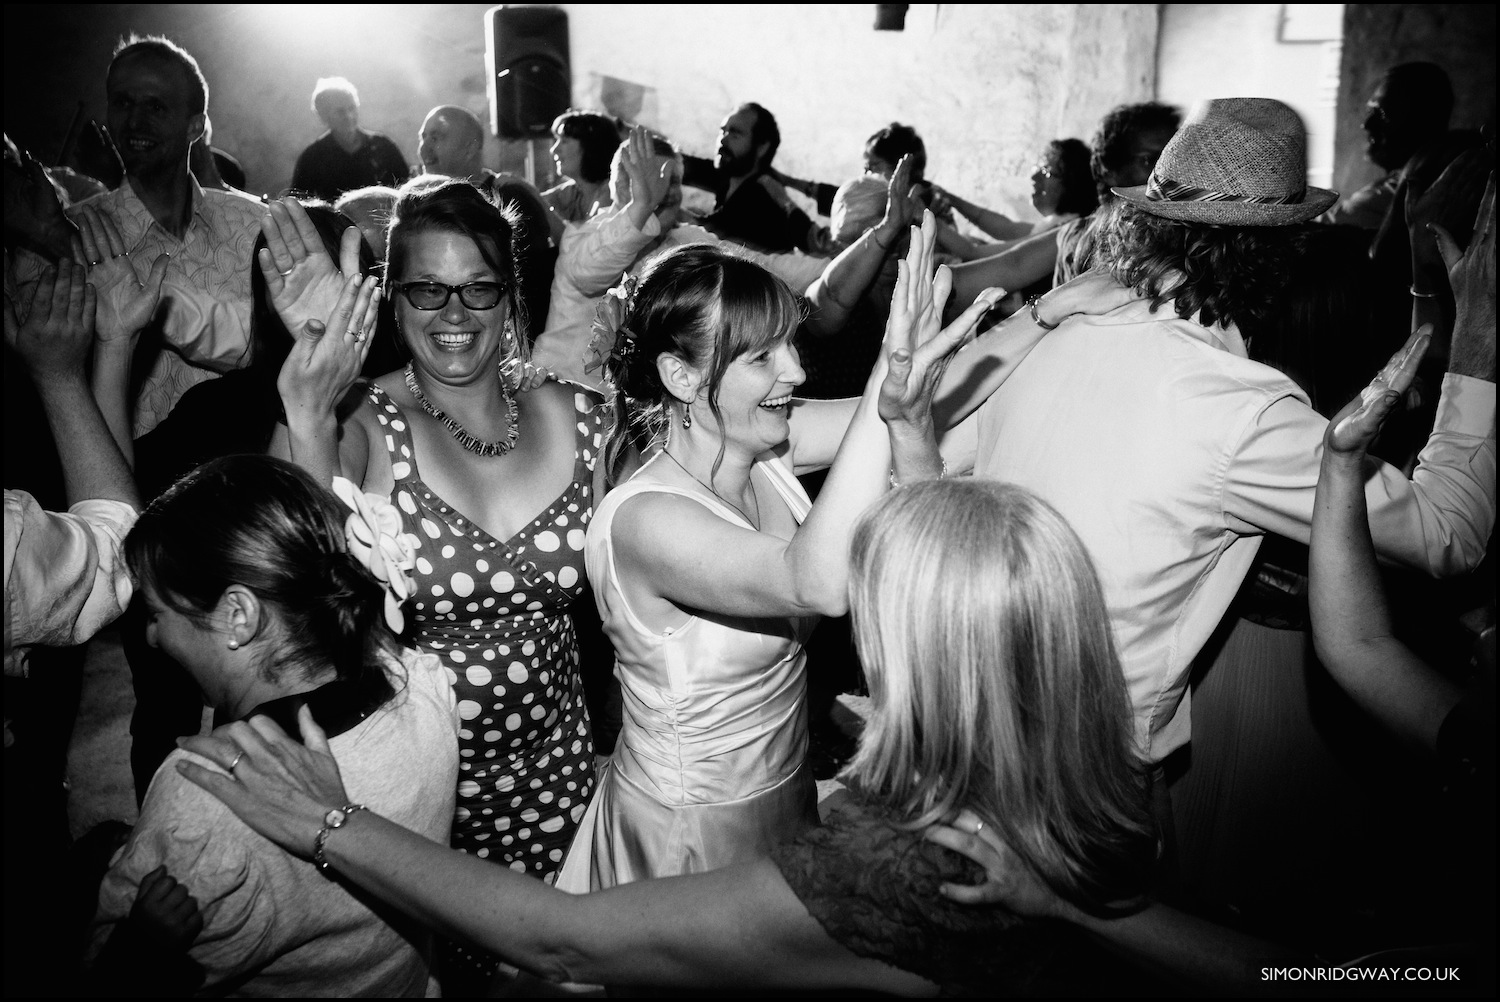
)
(242, 614)
(196, 127)
(680, 379)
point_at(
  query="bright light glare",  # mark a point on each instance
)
(332, 24)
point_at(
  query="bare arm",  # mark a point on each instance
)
(832, 297)
(1030, 260)
(705, 930)
(126, 306)
(1175, 943)
(994, 224)
(676, 550)
(1351, 623)
(331, 313)
(53, 343)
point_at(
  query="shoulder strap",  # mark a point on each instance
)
(396, 433)
(779, 472)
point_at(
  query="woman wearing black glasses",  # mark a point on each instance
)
(494, 483)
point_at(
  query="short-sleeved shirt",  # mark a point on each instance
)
(328, 170)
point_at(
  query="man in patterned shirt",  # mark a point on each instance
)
(157, 102)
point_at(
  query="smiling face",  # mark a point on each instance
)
(150, 116)
(454, 344)
(755, 395)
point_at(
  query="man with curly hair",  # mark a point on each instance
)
(1168, 450)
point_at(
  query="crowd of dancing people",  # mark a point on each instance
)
(495, 526)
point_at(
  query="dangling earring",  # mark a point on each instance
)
(687, 415)
(234, 645)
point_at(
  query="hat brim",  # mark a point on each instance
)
(1316, 202)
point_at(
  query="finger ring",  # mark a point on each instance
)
(357, 334)
(236, 761)
(284, 274)
(100, 261)
(978, 826)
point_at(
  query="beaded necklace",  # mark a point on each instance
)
(470, 444)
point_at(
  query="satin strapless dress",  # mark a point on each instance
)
(710, 767)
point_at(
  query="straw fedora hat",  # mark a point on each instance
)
(1236, 161)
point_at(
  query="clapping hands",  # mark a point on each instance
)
(1353, 429)
(126, 304)
(302, 279)
(917, 352)
(57, 333)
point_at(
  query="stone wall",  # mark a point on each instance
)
(986, 84)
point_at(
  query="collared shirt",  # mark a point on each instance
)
(1171, 455)
(65, 574)
(596, 254)
(206, 294)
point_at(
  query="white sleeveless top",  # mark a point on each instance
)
(710, 765)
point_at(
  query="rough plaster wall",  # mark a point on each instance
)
(987, 85)
(1232, 50)
(1460, 37)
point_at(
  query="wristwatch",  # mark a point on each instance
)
(332, 820)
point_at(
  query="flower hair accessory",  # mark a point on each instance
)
(373, 532)
(612, 339)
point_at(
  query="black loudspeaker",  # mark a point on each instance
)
(530, 84)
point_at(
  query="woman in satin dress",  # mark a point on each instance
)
(710, 566)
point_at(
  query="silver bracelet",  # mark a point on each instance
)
(332, 820)
(942, 473)
(1044, 325)
(1422, 295)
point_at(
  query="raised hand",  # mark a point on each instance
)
(327, 355)
(903, 205)
(1447, 204)
(917, 352)
(164, 913)
(278, 787)
(57, 333)
(650, 180)
(1471, 272)
(125, 303)
(302, 279)
(1354, 428)
(33, 207)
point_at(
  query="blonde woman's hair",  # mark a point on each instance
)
(995, 684)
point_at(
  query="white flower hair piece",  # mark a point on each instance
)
(373, 532)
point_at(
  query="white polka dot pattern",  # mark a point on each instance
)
(495, 612)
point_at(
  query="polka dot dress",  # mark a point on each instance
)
(495, 612)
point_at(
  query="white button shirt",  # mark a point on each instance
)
(1171, 454)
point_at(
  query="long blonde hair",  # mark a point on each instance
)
(995, 683)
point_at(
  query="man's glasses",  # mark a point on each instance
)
(435, 295)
